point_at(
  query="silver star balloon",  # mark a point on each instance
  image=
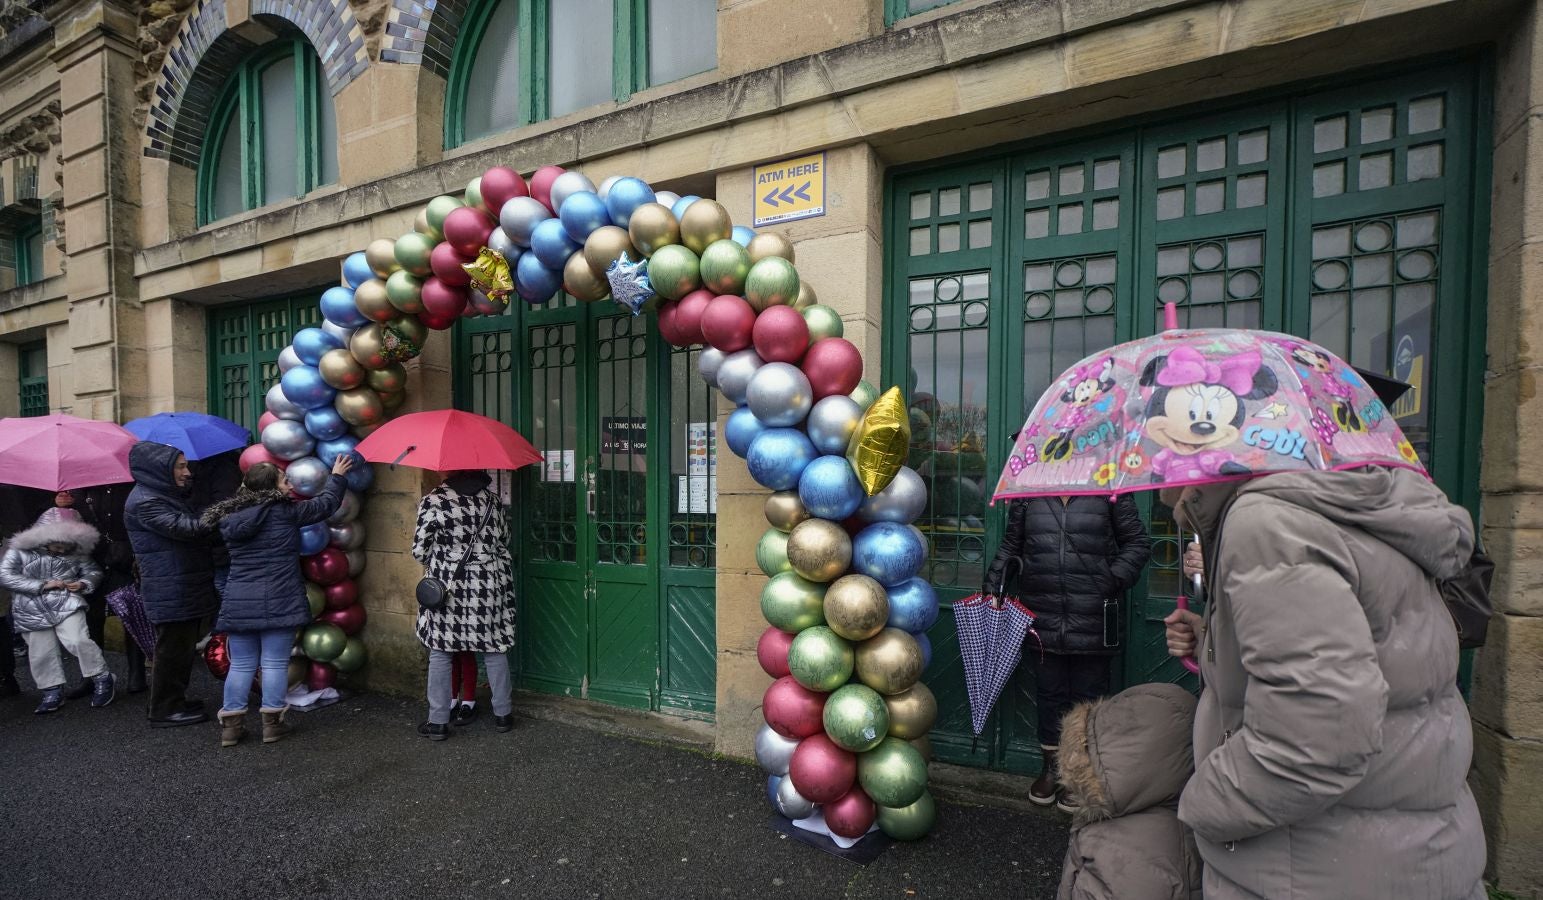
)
(630, 287)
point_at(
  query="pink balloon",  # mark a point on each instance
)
(327, 567)
(541, 184)
(793, 710)
(267, 419)
(343, 594)
(437, 322)
(833, 366)
(466, 231)
(688, 315)
(668, 327)
(255, 454)
(442, 299)
(852, 815)
(446, 264)
(728, 323)
(772, 652)
(320, 676)
(822, 771)
(781, 334)
(501, 184)
(349, 618)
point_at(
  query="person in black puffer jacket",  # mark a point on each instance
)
(1070, 559)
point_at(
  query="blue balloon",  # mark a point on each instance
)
(551, 244)
(829, 488)
(313, 539)
(742, 429)
(337, 307)
(926, 645)
(311, 343)
(360, 477)
(740, 234)
(304, 387)
(329, 451)
(356, 270)
(534, 282)
(778, 457)
(325, 424)
(888, 552)
(913, 605)
(682, 203)
(626, 195)
(582, 213)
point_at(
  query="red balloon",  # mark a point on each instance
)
(833, 366)
(728, 323)
(349, 618)
(852, 815)
(668, 329)
(466, 231)
(446, 264)
(781, 334)
(327, 567)
(772, 651)
(688, 316)
(257, 453)
(436, 322)
(217, 655)
(343, 594)
(501, 184)
(822, 771)
(442, 299)
(793, 710)
(267, 419)
(540, 185)
(320, 675)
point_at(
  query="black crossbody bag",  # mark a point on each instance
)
(434, 593)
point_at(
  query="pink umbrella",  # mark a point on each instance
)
(60, 452)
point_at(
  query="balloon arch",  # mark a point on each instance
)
(847, 716)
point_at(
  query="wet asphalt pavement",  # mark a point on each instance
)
(94, 803)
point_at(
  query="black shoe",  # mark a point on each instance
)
(9, 687)
(434, 732)
(79, 691)
(504, 723)
(464, 714)
(176, 719)
(103, 690)
(52, 700)
(192, 704)
(137, 683)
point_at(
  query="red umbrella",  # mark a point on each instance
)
(60, 452)
(446, 440)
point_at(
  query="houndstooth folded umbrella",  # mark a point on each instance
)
(991, 631)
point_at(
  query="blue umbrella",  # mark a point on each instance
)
(197, 435)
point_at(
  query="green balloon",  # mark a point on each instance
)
(412, 253)
(822, 660)
(323, 641)
(316, 597)
(405, 291)
(865, 393)
(724, 267)
(771, 553)
(474, 196)
(772, 282)
(894, 773)
(823, 322)
(909, 823)
(439, 208)
(352, 657)
(674, 272)
(855, 717)
(792, 603)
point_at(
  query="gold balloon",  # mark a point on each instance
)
(393, 400)
(912, 712)
(363, 431)
(856, 607)
(390, 380)
(381, 257)
(702, 223)
(368, 347)
(768, 243)
(881, 442)
(360, 406)
(806, 296)
(339, 369)
(819, 550)
(422, 226)
(923, 746)
(652, 226)
(889, 662)
(784, 510)
(579, 281)
(490, 274)
(373, 301)
(604, 245)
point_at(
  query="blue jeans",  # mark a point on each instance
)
(245, 648)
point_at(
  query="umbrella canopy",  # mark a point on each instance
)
(197, 435)
(990, 645)
(61, 452)
(446, 440)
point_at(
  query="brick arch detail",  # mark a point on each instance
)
(424, 32)
(205, 52)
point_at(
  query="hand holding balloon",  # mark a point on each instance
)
(343, 464)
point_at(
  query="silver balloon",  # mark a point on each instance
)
(735, 374)
(773, 751)
(666, 199)
(605, 186)
(348, 510)
(348, 536)
(308, 475)
(499, 240)
(355, 563)
(338, 331)
(288, 439)
(566, 185)
(832, 422)
(288, 359)
(708, 363)
(279, 405)
(902, 501)
(791, 803)
(779, 395)
(520, 216)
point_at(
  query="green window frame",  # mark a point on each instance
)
(245, 342)
(895, 10)
(32, 365)
(311, 159)
(633, 24)
(28, 246)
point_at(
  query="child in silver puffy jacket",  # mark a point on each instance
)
(49, 571)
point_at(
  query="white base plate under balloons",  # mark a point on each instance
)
(815, 824)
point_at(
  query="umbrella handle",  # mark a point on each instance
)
(1187, 661)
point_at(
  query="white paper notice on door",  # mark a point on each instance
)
(696, 494)
(557, 465)
(702, 448)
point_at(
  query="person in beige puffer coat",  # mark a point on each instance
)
(1332, 745)
(1125, 759)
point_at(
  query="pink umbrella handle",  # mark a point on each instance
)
(1187, 661)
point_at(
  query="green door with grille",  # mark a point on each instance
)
(1349, 214)
(245, 342)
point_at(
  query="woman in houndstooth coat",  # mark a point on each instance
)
(479, 616)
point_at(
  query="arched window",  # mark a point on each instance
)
(273, 135)
(521, 61)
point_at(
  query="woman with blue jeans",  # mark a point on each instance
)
(264, 598)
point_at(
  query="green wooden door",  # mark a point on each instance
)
(245, 342)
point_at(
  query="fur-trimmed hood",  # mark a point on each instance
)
(58, 530)
(1129, 752)
(232, 517)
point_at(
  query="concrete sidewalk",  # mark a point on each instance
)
(96, 803)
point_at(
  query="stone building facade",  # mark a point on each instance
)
(1008, 184)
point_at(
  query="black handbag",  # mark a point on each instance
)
(434, 593)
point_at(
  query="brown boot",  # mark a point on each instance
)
(232, 727)
(1044, 790)
(274, 726)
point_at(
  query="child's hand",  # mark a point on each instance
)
(52, 585)
(343, 464)
(75, 586)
